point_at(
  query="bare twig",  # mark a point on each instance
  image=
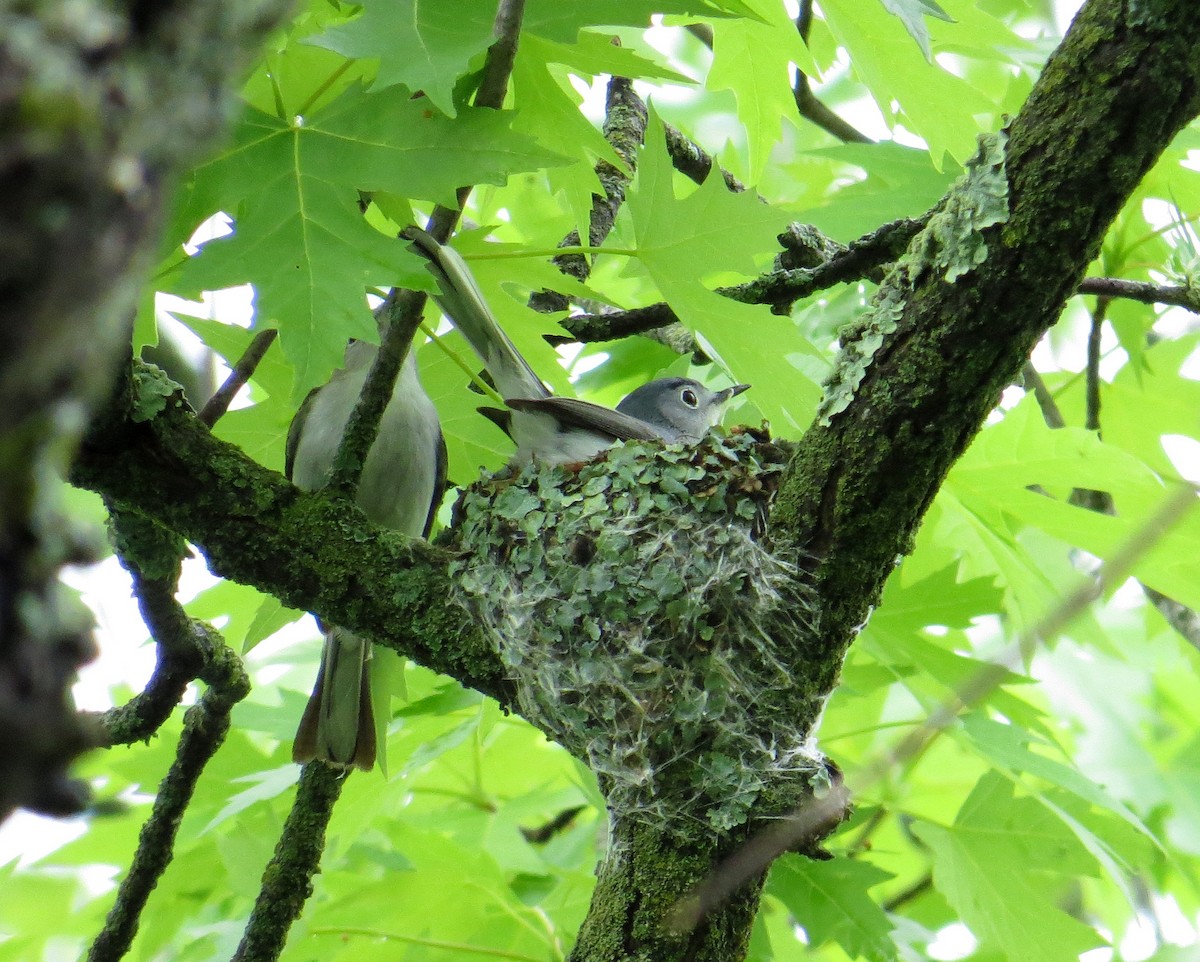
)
(914, 891)
(216, 406)
(1033, 382)
(1092, 422)
(1146, 293)
(809, 106)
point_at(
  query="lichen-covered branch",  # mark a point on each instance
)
(400, 313)
(287, 881)
(205, 725)
(861, 482)
(312, 551)
(625, 119)
(811, 262)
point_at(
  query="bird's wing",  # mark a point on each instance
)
(295, 429)
(571, 412)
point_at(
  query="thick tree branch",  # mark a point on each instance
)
(256, 528)
(862, 480)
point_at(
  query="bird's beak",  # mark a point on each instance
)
(731, 392)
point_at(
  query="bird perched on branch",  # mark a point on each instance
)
(401, 486)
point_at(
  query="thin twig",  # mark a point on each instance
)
(916, 890)
(1092, 421)
(1033, 382)
(242, 371)
(1143, 292)
(809, 106)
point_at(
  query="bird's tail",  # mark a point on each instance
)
(462, 302)
(337, 726)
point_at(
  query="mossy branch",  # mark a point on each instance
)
(859, 484)
(312, 551)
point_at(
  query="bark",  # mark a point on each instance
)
(101, 105)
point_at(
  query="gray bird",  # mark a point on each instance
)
(401, 487)
(555, 429)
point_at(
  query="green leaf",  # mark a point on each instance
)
(899, 182)
(425, 46)
(1022, 469)
(300, 237)
(560, 21)
(933, 103)
(681, 242)
(912, 14)
(270, 617)
(751, 58)
(1008, 746)
(993, 864)
(830, 900)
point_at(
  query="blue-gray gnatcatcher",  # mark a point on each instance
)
(405, 471)
(554, 429)
(400, 487)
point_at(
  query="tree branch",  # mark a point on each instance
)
(205, 725)
(216, 406)
(287, 882)
(809, 106)
(1141, 291)
(691, 160)
(368, 579)
(863, 477)
(625, 118)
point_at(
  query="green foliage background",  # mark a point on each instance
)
(1053, 819)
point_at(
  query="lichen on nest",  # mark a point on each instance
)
(646, 624)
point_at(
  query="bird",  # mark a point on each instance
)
(401, 487)
(560, 430)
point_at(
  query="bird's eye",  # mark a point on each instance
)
(689, 397)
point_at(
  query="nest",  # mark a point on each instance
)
(646, 624)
